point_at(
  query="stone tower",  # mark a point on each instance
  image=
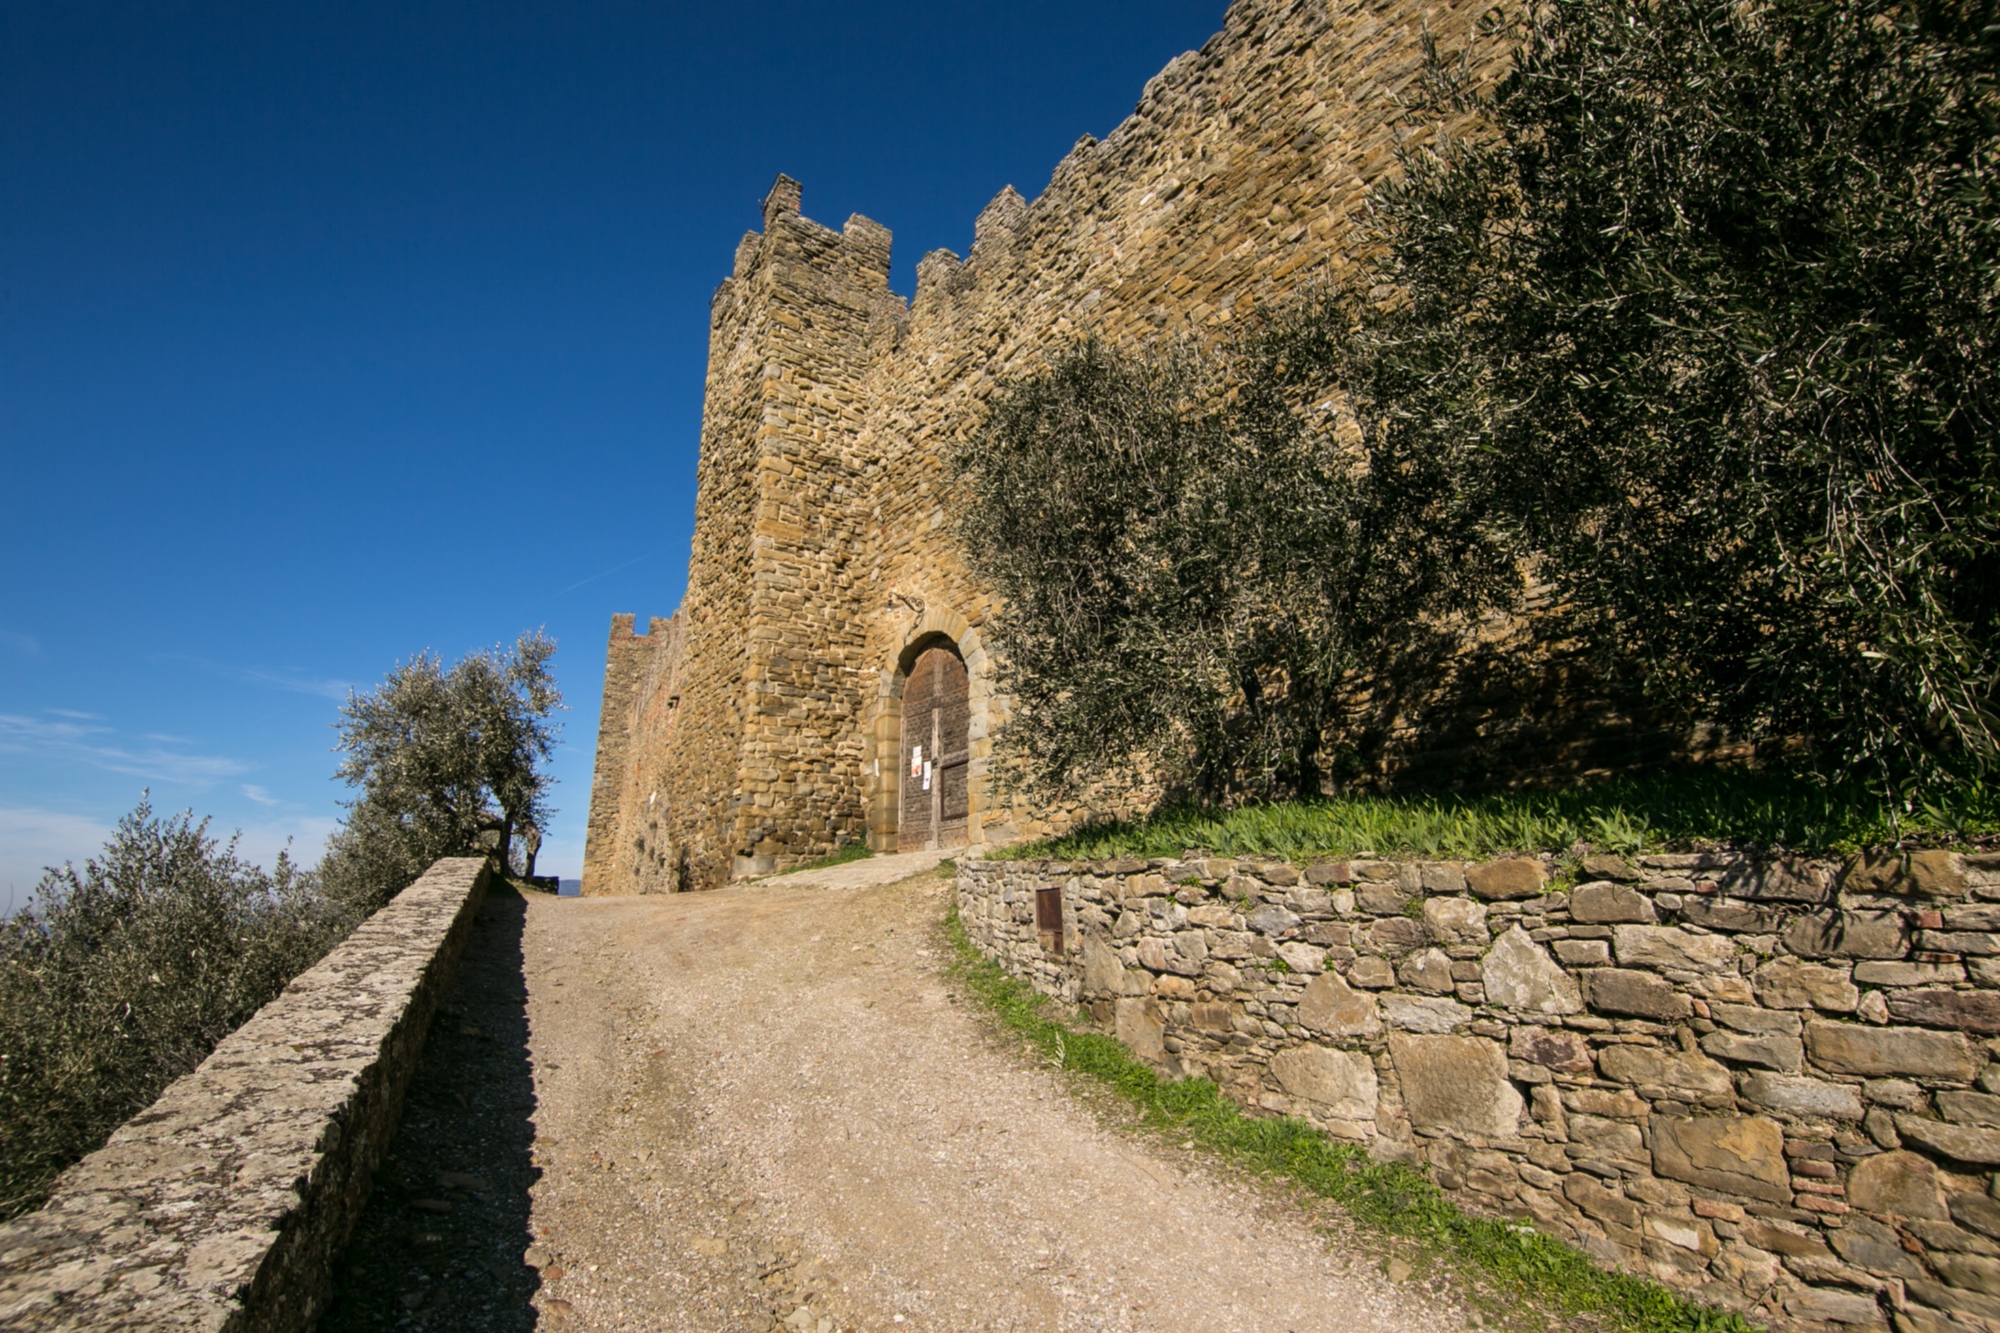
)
(762, 725)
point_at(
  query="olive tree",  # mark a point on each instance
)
(447, 760)
(1715, 289)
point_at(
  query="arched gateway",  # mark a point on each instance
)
(934, 765)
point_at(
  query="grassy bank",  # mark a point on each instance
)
(1387, 1195)
(1669, 811)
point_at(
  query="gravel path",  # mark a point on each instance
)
(765, 1107)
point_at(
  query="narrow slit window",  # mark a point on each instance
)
(1049, 918)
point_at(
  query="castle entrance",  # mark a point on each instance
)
(935, 763)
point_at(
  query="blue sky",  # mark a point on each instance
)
(332, 333)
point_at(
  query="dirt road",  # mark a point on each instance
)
(766, 1107)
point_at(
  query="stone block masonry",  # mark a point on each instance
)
(222, 1206)
(823, 563)
(1773, 1084)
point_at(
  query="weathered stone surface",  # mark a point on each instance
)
(1779, 881)
(1501, 880)
(1606, 903)
(1849, 1048)
(1605, 866)
(1971, 1271)
(1800, 1096)
(1669, 946)
(1970, 1108)
(1676, 1071)
(1301, 957)
(1604, 1137)
(1371, 972)
(1271, 919)
(1925, 874)
(1419, 1013)
(1142, 1025)
(1981, 1212)
(1786, 983)
(1331, 1006)
(1969, 1011)
(1726, 914)
(1396, 933)
(1766, 1050)
(1103, 974)
(1583, 953)
(192, 1215)
(1520, 975)
(1749, 1018)
(1955, 1299)
(1382, 899)
(1456, 921)
(1342, 1082)
(1428, 970)
(1557, 1049)
(1833, 1305)
(1868, 1244)
(1964, 1143)
(1897, 1183)
(1739, 1154)
(1848, 935)
(1456, 1083)
(1908, 974)
(1593, 1200)
(1615, 990)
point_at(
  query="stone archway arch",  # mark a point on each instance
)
(935, 627)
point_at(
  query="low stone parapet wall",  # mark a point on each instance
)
(223, 1205)
(1770, 1083)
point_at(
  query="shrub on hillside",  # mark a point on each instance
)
(122, 976)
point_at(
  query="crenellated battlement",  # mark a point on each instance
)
(823, 561)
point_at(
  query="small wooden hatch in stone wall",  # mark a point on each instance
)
(935, 763)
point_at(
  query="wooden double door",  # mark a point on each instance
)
(934, 768)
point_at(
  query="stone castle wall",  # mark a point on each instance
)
(1772, 1084)
(822, 560)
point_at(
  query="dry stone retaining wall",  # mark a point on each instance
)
(1772, 1083)
(221, 1206)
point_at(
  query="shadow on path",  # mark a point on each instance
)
(440, 1244)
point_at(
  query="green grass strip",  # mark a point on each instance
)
(1666, 811)
(1389, 1195)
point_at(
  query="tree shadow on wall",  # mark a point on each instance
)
(440, 1244)
(1522, 705)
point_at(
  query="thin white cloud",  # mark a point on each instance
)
(72, 714)
(291, 680)
(32, 840)
(89, 744)
(25, 644)
(259, 794)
